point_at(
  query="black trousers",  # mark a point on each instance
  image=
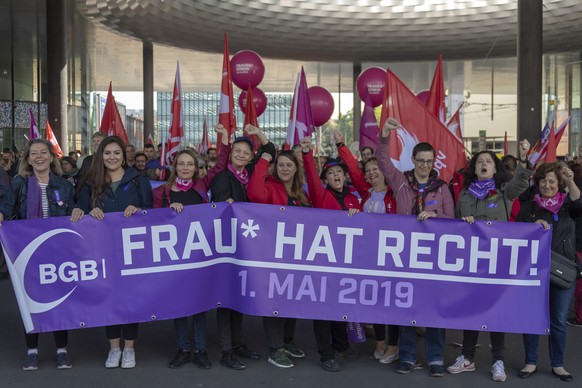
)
(61, 339)
(330, 336)
(279, 331)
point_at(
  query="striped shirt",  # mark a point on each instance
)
(44, 200)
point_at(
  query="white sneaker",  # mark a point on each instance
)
(461, 365)
(498, 371)
(388, 358)
(128, 359)
(378, 355)
(113, 358)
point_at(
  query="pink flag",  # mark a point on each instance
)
(53, 140)
(204, 142)
(176, 131)
(33, 133)
(111, 122)
(226, 115)
(418, 125)
(436, 94)
(368, 127)
(300, 118)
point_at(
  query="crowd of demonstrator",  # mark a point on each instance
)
(116, 178)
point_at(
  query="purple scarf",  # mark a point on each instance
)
(242, 177)
(480, 189)
(550, 204)
(33, 199)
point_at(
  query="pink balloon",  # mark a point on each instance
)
(423, 96)
(259, 99)
(321, 104)
(372, 82)
(246, 67)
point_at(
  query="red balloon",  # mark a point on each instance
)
(246, 67)
(321, 103)
(372, 82)
(259, 99)
(423, 96)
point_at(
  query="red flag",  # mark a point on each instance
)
(33, 133)
(150, 139)
(251, 117)
(176, 131)
(53, 140)
(111, 122)
(505, 146)
(539, 150)
(436, 94)
(369, 130)
(552, 145)
(454, 124)
(300, 118)
(418, 125)
(226, 115)
(204, 142)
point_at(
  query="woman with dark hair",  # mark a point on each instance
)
(488, 195)
(230, 185)
(552, 206)
(331, 336)
(38, 191)
(421, 193)
(110, 186)
(185, 188)
(377, 197)
(283, 188)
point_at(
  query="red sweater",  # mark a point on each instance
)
(264, 188)
(322, 197)
(359, 181)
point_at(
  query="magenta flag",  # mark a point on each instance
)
(300, 119)
(33, 134)
(368, 127)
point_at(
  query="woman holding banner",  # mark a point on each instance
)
(110, 186)
(230, 185)
(488, 195)
(185, 188)
(553, 207)
(335, 196)
(421, 193)
(377, 197)
(38, 191)
(283, 188)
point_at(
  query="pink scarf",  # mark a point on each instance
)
(184, 184)
(242, 177)
(550, 204)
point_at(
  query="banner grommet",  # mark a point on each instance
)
(489, 223)
(144, 212)
(82, 324)
(413, 322)
(153, 317)
(219, 304)
(214, 206)
(345, 317)
(275, 312)
(484, 327)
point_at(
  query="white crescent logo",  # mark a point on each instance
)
(17, 269)
(407, 142)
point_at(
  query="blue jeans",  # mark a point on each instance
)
(559, 304)
(199, 329)
(434, 344)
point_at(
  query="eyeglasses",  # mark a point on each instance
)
(426, 162)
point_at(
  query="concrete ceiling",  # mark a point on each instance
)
(338, 30)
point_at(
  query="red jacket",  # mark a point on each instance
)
(322, 197)
(264, 188)
(359, 181)
(201, 186)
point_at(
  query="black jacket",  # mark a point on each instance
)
(14, 203)
(225, 185)
(564, 234)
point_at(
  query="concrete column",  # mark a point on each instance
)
(356, 70)
(56, 26)
(529, 69)
(148, 90)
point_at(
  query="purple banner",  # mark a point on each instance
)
(279, 261)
